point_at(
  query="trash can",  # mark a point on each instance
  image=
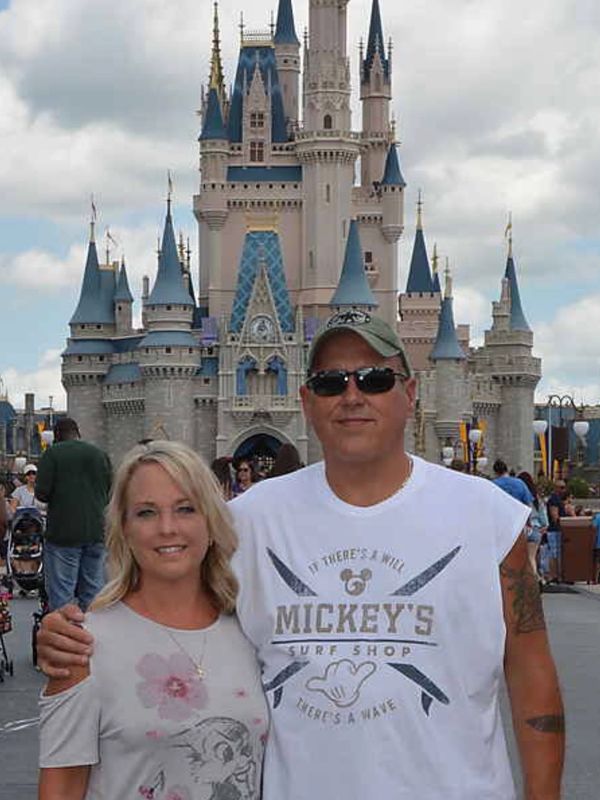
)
(577, 557)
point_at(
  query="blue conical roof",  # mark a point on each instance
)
(353, 288)
(90, 288)
(446, 345)
(285, 32)
(419, 275)
(517, 317)
(213, 127)
(95, 304)
(392, 176)
(123, 292)
(437, 287)
(375, 43)
(168, 287)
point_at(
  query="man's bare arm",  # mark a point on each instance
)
(62, 642)
(536, 704)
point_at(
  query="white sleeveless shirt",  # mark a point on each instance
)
(381, 633)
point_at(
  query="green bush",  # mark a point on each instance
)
(579, 488)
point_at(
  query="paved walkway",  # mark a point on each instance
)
(573, 615)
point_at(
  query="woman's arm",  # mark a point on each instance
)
(63, 783)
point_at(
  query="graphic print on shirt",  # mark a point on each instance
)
(345, 641)
(220, 757)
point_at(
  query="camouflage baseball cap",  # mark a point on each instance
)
(376, 333)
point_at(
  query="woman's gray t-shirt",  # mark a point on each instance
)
(149, 725)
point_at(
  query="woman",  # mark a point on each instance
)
(24, 496)
(171, 707)
(245, 475)
(538, 522)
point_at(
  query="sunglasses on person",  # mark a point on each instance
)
(370, 380)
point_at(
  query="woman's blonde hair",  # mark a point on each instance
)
(196, 480)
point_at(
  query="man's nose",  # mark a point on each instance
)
(352, 393)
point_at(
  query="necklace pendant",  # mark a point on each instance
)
(200, 672)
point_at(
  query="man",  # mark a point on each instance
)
(376, 588)
(74, 479)
(556, 509)
(515, 487)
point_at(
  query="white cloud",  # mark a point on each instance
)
(44, 382)
(497, 111)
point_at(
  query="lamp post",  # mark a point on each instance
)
(580, 426)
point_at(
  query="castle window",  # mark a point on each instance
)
(327, 122)
(79, 358)
(168, 350)
(257, 151)
(99, 327)
(119, 308)
(257, 119)
(328, 193)
(83, 327)
(168, 308)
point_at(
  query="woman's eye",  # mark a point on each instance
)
(186, 509)
(144, 512)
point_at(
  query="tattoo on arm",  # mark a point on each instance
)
(549, 723)
(526, 600)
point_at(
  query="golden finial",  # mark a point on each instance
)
(393, 129)
(448, 277)
(93, 218)
(434, 259)
(242, 26)
(508, 234)
(216, 65)
(420, 211)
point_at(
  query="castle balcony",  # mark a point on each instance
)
(273, 407)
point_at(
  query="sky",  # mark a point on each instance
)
(497, 111)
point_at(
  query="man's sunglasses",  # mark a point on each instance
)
(370, 380)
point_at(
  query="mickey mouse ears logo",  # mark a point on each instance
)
(352, 317)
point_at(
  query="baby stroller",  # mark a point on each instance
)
(6, 664)
(25, 562)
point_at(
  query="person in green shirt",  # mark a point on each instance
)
(74, 479)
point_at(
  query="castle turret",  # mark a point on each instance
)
(375, 94)
(123, 303)
(327, 150)
(210, 205)
(169, 355)
(507, 357)
(451, 383)
(86, 359)
(419, 305)
(392, 192)
(353, 290)
(437, 288)
(287, 53)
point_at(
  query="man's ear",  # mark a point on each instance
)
(305, 399)
(410, 388)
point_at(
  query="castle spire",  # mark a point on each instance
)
(518, 322)
(392, 176)
(216, 65)
(123, 292)
(447, 346)
(353, 289)
(375, 44)
(169, 287)
(419, 274)
(285, 31)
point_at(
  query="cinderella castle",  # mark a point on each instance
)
(287, 235)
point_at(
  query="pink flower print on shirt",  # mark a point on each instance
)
(172, 684)
(241, 694)
(178, 793)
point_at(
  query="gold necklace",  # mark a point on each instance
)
(200, 672)
(408, 474)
